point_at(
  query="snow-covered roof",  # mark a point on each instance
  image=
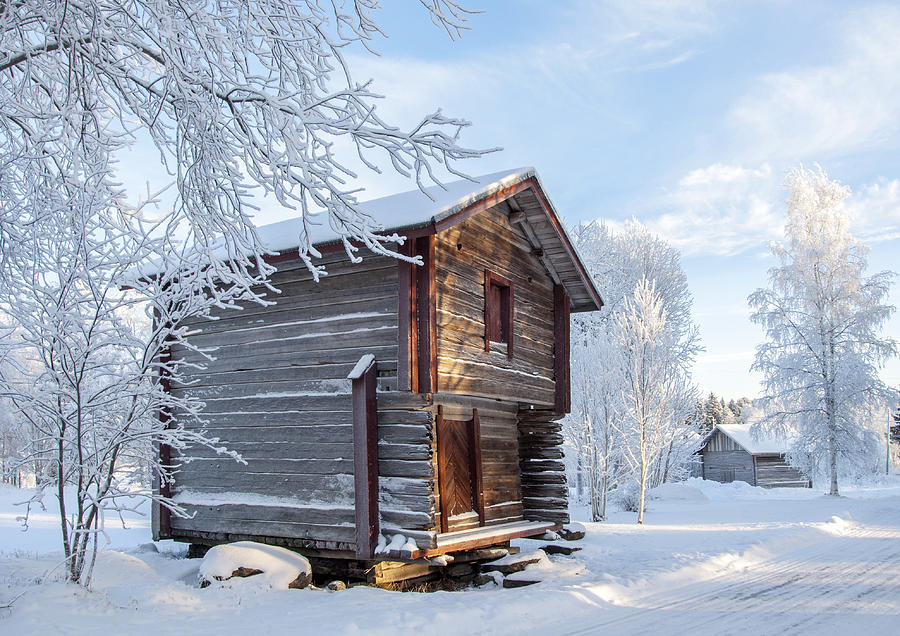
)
(755, 445)
(400, 211)
(415, 209)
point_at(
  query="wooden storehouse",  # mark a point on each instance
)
(394, 399)
(731, 453)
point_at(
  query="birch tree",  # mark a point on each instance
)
(822, 318)
(237, 98)
(619, 261)
(655, 395)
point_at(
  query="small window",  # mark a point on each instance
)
(498, 313)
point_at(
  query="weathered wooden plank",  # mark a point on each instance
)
(329, 386)
(406, 468)
(382, 335)
(305, 357)
(201, 460)
(255, 451)
(505, 512)
(407, 519)
(299, 329)
(379, 297)
(559, 491)
(300, 298)
(405, 487)
(329, 532)
(291, 373)
(307, 514)
(288, 419)
(279, 402)
(513, 386)
(334, 489)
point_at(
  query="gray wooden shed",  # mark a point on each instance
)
(731, 453)
(392, 399)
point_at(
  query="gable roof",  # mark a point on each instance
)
(520, 189)
(755, 445)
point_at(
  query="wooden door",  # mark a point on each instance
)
(459, 472)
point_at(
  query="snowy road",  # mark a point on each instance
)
(711, 559)
(832, 586)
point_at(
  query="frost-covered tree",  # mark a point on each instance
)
(619, 261)
(822, 318)
(655, 394)
(237, 99)
(713, 413)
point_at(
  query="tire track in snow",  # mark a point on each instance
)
(809, 589)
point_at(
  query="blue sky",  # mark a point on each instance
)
(684, 114)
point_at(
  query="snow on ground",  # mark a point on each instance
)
(710, 559)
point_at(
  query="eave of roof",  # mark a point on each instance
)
(415, 213)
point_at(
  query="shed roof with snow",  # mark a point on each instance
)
(755, 444)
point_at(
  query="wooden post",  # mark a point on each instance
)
(477, 480)
(160, 515)
(563, 396)
(426, 316)
(365, 455)
(407, 346)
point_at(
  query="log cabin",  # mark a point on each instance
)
(731, 453)
(390, 399)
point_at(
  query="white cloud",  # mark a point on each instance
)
(843, 106)
(719, 173)
(721, 209)
(874, 211)
(639, 35)
(725, 209)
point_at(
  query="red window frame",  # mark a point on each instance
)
(498, 311)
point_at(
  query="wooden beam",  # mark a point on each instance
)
(563, 396)
(160, 515)
(484, 204)
(365, 456)
(426, 316)
(407, 364)
(441, 470)
(475, 455)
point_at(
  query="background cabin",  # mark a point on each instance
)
(730, 453)
(390, 398)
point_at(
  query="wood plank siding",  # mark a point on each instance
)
(464, 366)
(516, 395)
(725, 460)
(277, 392)
(772, 471)
(493, 377)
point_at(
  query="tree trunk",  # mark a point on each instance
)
(640, 518)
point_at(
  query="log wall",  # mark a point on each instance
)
(463, 252)
(728, 466)
(277, 393)
(543, 472)
(774, 472)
